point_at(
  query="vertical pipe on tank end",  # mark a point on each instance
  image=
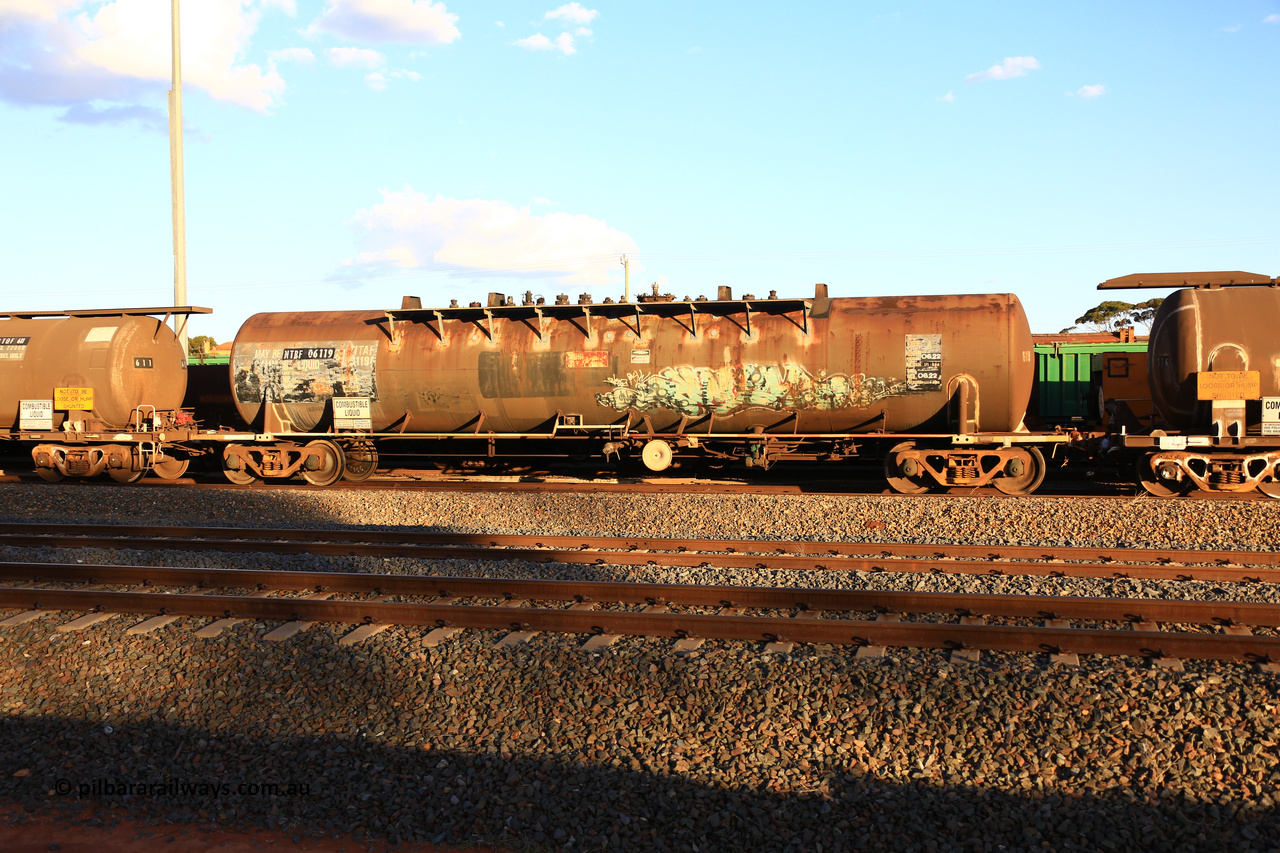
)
(179, 202)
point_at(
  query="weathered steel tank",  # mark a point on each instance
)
(720, 366)
(1211, 329)
(126, 361)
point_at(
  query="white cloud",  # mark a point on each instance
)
(572, 13)
(355, 57)
(118, 51)
(568, 15)
(409, 231)
(537, 41)
(1271, 19)
(34, 10)
(1013, 66)
(403, 21)
(1089, 92)
(1234, 28)
(948, 98)
(378, 81)
(292, 54)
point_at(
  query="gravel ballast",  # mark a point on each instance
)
(544, 746)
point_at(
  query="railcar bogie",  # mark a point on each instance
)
(1014, 469)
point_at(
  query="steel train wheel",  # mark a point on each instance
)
(1271, 490)
(237, 476)
(359, 464)
(329, 471)
(171, 468)
(126, 475)
(1033, 473)
(50, 475)
(903, 481)
(1153, 484)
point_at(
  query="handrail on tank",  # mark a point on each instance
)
(137, 416)
(611, 310)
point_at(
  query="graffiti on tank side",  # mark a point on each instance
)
(305, 372)
(699, 391)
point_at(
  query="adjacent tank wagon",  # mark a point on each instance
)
(88, 384)
(1214, 368)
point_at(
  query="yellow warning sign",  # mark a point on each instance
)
(67, 399)
(1228, 385)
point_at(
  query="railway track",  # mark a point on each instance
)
(1139, 564)
(505, 485)
(605, 610)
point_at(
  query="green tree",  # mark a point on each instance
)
(1111, 315)
(196, 345)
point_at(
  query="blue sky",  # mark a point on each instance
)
(342, 153)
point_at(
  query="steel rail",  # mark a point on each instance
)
(640, 552)
(664, 624)
(1135, 610)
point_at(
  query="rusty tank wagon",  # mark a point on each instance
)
(937, 385)
(1214, 367)
(94, 390)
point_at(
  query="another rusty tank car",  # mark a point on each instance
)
(753, 378)
(1214, 367)
(1223, 329)
(125, 361)
(86, 378)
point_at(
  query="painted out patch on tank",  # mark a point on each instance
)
(924, 362)
(304, 372)
(13, 348)
(526, 375)
(698, 391)
(591, 358)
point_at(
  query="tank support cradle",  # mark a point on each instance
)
(1013, 470)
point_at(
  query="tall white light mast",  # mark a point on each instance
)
(179, 202)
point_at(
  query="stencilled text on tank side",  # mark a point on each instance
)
(309, 372)
(924, 362)
(13, 349)
(698, 391)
